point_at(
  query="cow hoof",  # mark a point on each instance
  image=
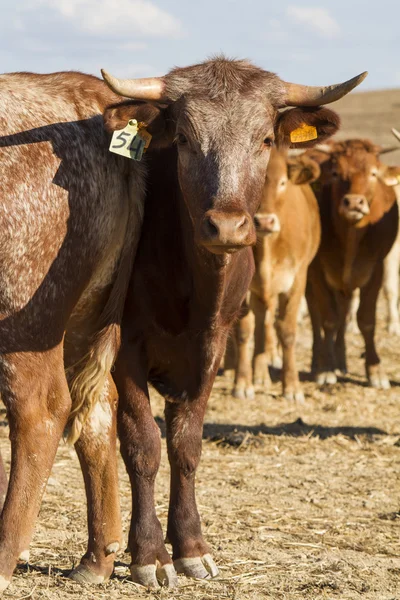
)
(242, 394)
(145, 575)
(24, 556)
(276, 362)
(394, 328)
(4, 583)
(166, 576)
(82, 574)
(326, 377)
(380, 383)
(197, 568)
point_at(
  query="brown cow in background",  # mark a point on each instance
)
(359, 218)
(288, 235)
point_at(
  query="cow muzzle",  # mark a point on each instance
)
(222, 231)
(267, 223)
(354, 207)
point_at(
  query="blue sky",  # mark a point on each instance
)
(306, 42)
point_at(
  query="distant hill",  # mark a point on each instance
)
(371, 115)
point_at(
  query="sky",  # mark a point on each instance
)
(315, 43)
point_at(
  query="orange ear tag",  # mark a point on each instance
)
(304, 133)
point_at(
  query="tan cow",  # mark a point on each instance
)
(359, 217)
(288, 234)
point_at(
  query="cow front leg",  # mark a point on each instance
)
(366, 317)
(344, 303)
(191, 554)
(323, 297)
(141, 450)
(3, 483)
(97, 453)
(37, 410)
(286, 328)
(244, 333)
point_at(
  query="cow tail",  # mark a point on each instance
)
(88, 382)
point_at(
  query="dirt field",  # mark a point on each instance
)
(297, 502)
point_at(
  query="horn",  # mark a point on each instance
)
(389, 149)
(303, 95)
(396, 133)
(150, 88)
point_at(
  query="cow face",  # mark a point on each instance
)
(354, 174)
(223, 116)
(283, 174)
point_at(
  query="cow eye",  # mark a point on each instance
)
(374, 173)
(181, 139)
(269, 142)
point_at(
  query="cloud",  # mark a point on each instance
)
(113, 17)
(315, 18)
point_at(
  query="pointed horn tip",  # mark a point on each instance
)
(396, 133)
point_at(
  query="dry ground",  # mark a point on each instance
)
(297, 502)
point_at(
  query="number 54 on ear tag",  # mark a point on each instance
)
(131, 141)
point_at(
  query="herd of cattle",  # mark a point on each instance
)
(148, 264)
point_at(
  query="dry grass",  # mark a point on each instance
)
(297, 502)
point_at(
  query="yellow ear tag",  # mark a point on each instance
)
(131, 141)
(304, 133)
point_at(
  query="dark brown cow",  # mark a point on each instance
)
(288, 235)
(359, 217)
(191, 274)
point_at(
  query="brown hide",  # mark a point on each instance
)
(359, 217)
(281, 258)
(189, 280)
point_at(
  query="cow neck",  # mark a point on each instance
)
(350, 238)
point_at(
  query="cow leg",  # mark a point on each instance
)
(141, 450)
(97, 453)
(3, 483)
(325, 301)
(286, 328)
(37, 409)
(366, 317)
(265, 341)
(352, 326)
(191, 554)
(344, 302)
(316, 325)
(244, 330)
(391, 287)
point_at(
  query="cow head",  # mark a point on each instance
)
(354, 174)
(223, 115)
(282, 174)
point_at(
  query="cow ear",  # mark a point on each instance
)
(117, 116)
(390, 175)
(305, 127)
(303, 171)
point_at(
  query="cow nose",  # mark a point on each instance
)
(356, 202)
(267, 222)
(227, 229)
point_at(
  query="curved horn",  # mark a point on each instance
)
(303, 95)
(150, 88)
(396, 133)
(389, 149)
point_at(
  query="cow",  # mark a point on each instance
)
(391, 268)
(359, 219)
(288, 235)
(192, 269)
(70, 218)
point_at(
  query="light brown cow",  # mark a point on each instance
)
(359, 217)
(288, 234)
